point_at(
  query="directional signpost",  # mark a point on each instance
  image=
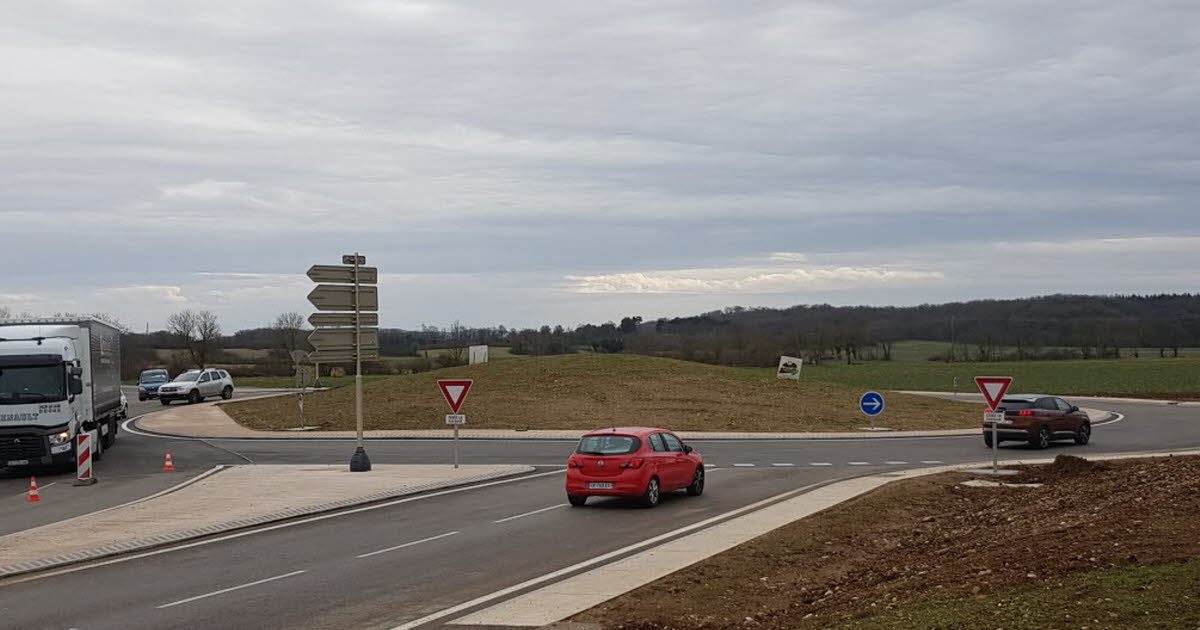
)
(871, 404)
(455, 392)
(993, 389)
(351, 335)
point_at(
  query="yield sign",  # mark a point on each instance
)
(455, 392)
(993, 388)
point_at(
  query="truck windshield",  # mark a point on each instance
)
(24, 385)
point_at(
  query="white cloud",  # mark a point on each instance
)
(748, 280)
(166, 294)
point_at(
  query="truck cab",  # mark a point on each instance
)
(57, 378)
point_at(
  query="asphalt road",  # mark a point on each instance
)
(383, 566)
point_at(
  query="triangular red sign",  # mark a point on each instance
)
(993, 388)
(455, 391)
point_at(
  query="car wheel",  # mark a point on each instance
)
(164, 401)
(194, 397)
(577, 500)
(227, 393)
(141, 398)
(1084, 435)
(697, 487)
(652, 495)
(1042, 440)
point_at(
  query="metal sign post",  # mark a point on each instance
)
(455, 392)
(995, 419)
(341, 337)
(456, 419)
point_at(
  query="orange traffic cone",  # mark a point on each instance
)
(33, 493)
(168, 466)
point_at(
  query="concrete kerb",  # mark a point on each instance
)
(210, 422)
(152, 542)
(584, 590)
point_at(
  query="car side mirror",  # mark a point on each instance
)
(1074, 408)
(687, 450)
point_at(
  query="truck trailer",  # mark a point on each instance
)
(58, 377)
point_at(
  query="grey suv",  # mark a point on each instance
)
(196, 385)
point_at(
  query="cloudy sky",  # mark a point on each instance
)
(530, 162)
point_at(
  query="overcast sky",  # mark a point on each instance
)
(522, 163)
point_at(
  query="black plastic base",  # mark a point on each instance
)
(359, 462)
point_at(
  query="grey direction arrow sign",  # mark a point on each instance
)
(330, 338)
(337, 320)
(343, 273)
(336, 297)
(339, 356)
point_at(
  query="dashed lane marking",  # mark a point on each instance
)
(820, 464)
(783, 464)
(932, 461)
(895, 463)
(743, 465)
(407, 544)
(232, 588)
(859, 463)
(545, 509)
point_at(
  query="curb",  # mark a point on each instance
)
(143, 544)
(514, 435)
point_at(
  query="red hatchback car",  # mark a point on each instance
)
(633, 462)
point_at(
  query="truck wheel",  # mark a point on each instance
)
(194, 397)
(111, 438)
(227, 393)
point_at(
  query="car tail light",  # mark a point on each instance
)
(574, 463)
(1026, 412)
(633, 463)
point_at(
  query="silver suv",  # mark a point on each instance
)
(196, 385)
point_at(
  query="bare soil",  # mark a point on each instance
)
(929, 539)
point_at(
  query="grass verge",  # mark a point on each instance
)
(587, 391)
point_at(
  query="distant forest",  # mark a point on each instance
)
(1048, 327)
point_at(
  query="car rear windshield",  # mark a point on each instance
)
(1016, 405)
(608, 445)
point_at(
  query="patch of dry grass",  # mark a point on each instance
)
(586, 391)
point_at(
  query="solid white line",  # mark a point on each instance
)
(232, 588)
(483, 599)
(407, 544)
(820, 464)
(783, 464)
(252, 532)
(743, 465)
(895, 463)
(859, 463)
(932, 461)
(545, 509)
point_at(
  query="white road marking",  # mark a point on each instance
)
(601, 559)
(232, 588)
(783, 464)
(545, 509)
(743, 465)
(710, 465)
(932, 461)
(820, 464)
(859, 463)
(895, 463)
(407, 544)
(251, 532)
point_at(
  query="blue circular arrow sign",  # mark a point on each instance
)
(871, 404)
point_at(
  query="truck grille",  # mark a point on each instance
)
(24, 446)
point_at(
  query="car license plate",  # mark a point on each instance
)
(600, 485)
(18, 462)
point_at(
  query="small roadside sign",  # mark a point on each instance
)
(331, 338)
(341, 320)
(993, 388)
(341, 356)
(343, 274)
(352, 259)
(871, 404)
(789, 367)
(455, 391)
(994, 417)
(337, 297)
(456, 418)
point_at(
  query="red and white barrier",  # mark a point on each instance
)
(83, 459)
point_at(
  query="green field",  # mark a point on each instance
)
(586, 391)
(1173, 377)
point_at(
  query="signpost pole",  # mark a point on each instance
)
(995, 448)
(359, 462)
(456, 446)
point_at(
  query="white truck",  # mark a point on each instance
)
(58, 377)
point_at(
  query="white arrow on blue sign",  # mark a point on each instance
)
(871, 404)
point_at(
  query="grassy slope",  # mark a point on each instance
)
(586, 391)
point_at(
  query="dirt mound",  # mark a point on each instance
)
(932, 537)
(1064, 467)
